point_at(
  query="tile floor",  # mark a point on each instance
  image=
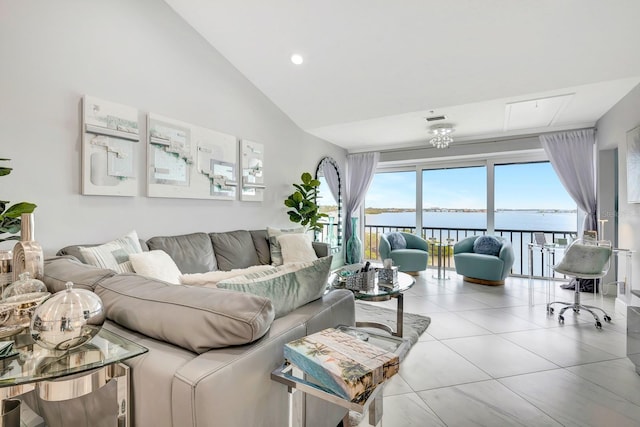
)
(489, 359)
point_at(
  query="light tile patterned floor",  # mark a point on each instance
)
(490, 359)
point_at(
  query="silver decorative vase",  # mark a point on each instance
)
(27, 253)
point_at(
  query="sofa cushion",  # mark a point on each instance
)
(288, 286)
(234, 249)
(74, 250)
(397, 240)
(487, 245)
(60, 270)
(296, 248)
(261, 243)
(156, 264)
(274, 246)
(190, 317)
(192, 253)
(114, 254)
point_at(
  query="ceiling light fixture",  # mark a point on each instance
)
(442, 135)
(297, 59)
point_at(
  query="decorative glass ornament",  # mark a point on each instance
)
(67, 319)
(24, 285)
(19, 301)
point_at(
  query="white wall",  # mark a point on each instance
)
(138, 53)
(612, 129)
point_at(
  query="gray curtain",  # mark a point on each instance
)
(361, 168)
(572, 157)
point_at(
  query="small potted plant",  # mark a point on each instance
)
(302, 202)
(10, 215)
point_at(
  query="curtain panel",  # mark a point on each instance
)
(573, 158)
(361, 169)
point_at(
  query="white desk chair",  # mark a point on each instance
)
(584, 260)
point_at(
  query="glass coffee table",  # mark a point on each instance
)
(379, 292)
(66, 375)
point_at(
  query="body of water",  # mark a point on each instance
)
(510, 220)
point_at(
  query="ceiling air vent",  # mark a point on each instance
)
(436, 118)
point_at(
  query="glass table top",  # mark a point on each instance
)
(404, 282)
(30, 363)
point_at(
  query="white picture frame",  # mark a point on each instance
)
(251, 181)
(189, 161)
(110, 134)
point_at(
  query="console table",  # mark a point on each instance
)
(67, 375)
(441, 249)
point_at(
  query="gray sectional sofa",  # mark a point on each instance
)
(190, 376)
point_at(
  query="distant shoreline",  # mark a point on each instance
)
(374, 211)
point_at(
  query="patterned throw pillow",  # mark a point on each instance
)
(115, 254)
(487, 245)
(274, 245)
(288, 286)
(397, 240)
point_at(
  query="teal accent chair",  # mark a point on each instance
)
(410, 260)
(481, 268)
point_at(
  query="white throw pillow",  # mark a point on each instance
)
(157, 265)
(211, 278)
(115, 254)
(274, 246)
(296, 248)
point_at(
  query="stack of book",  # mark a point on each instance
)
(340, 362)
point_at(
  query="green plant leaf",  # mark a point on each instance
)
(306, 178)
(5, 171)
(298, 197)
(18, 209)
(314, 183)
(4, 239)
(290, 203)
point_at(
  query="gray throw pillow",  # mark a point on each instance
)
(487, 245)
(288, 286)
(397, 240)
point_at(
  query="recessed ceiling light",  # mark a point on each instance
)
(297, 59)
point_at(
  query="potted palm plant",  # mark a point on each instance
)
(10, 214)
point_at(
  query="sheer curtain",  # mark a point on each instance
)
(330, 173)
(572, 157)
(361, 168)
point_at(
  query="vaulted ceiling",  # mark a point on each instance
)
(373, 70)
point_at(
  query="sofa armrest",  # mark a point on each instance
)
(506, 255)
(322, 249)
(465, 245)
(415, 242)
(384, 247)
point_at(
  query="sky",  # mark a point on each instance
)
(518, 186)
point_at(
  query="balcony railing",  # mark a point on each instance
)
(520, 240)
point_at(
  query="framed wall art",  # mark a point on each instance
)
(109, 137)
(252, 167)
(189, 161)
